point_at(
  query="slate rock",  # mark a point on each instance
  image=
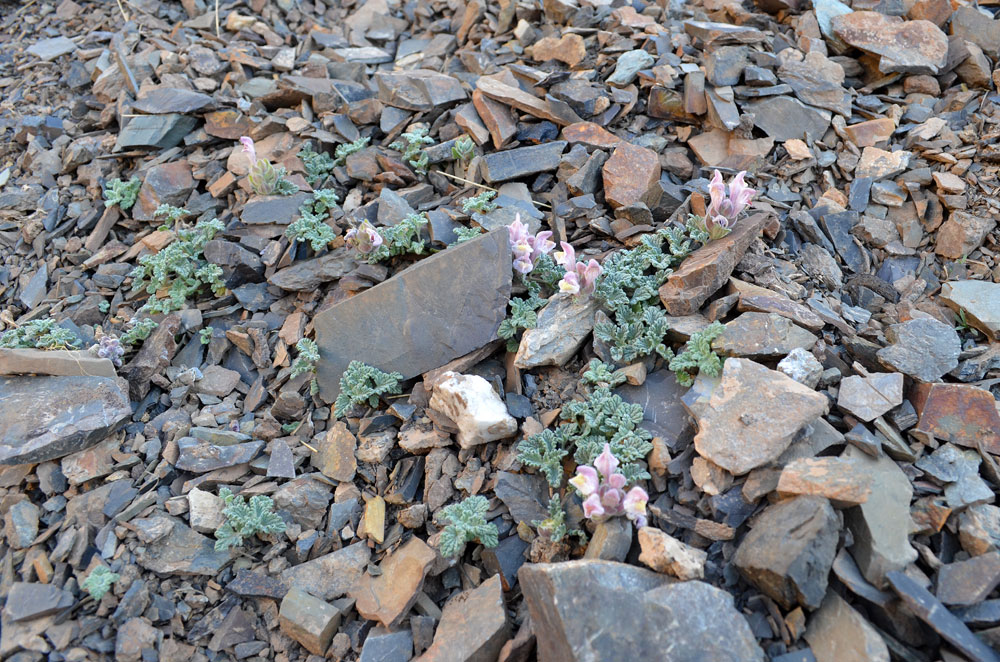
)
(881, 526)
(335, 457)
(382, 645)
(267, 209)
(155, 131)
(611, 540)
(521, 161)
(562, 328)
(308, 620)
(474, 277)
(171, 100)
(474, 626)
(663, 412)
(641, 612)
(965, 583)
(912, 47)
(200, 457)
(979, 529)
(628, 66)
(962, 414)
(55, 362)
(786, 118)
(749, 415)
(525, 495)
(817, 81)
(840, 480)
(762, 336)
(45, 418)
(388, 597)
(49, 49)
(181, 551)
(332, 575)
(838, 633)
(867, 398)
(664, 553)
(21, 524)
(971, 24)
(708, 268)
(801, 366)
(930, 610)
(979, 299)
(418, 89)
(630, 176)
(789, 551)
(307, 275)
(838, 229)
(26, 601)
(167, 183)
(961, 234)
(924, 349)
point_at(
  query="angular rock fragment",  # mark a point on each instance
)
(867, 398)
(336, 453)
(26, 601)
(418, 89)
(473, 277)
(477, 410)
(838, 633)
(332, 575)
(752, 415)
(980, 301)
(924, 349)
(308, 620)
(961, 234)
(563, 326)
(388, 597)
(965, 583)
(58, 363)
(964, 415)
(180, 550)
(912, 47)
(199, 457)
(521, 161)
(786, 118)
(663, 553)
(840, 480)
(45, 418)
(762, 336)
(630, 176)
(473, 626)
(641, 612)
(789, 551)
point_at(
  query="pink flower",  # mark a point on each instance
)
(526, 248)
(635, 505)
(364, 238)
(722, 211)
(248, 148)
(580, 278)
(740, 194)
(585, 480)
(592, 506)
(606, 462)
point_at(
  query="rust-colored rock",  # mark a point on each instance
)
(935, 11)
(843, 482)
(590, 134)
(867, 134)
(569, 49)
(630, 176)
(961, 234)
(964, 415)
(473, 626)
(912, 47)
(497, 118)
(388, 597)
(707, 269)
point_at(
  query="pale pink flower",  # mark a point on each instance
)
(364, 238)
(592, 506)
(722, 211)
(635, 505)
(585, 481)
(580, 278)
(526, 248)
(249, 148)
(603, 489)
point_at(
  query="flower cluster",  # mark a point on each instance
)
(525, 247)
(264, 178)
(603, 489)
(580, 278)
(109, 347)
(722, 210)
(364, 238)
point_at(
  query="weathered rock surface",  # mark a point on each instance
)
(563, 326)
(642, 612)
(473, 626)
(924, 349)
(751, 416)
(762, 336)
(838, 479)
(177, 549)
(44, 418)
(707, 269)
(869, 397)
(962, 414)
(630, 175)
(838, 633)
(912, 47)
(389, 596)
(790, 550)
(58, 363)
(330, 576)
(979, 299)
(473, 277)
(308, 620)
(663, 553)
(477, 410)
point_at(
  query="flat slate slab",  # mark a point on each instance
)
(443, 307)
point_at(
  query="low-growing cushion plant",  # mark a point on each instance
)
(467, 523)
(39, 334)
(244, 520)
(364, 384)
(99, 582)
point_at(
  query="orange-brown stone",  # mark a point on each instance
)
(962, 414)
(630, 176)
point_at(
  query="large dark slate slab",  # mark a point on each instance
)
(44, 418)
(155, 131)
(441, 308)
(663, 413)
(522, 161)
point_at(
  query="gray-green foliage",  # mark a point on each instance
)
(170, 215)
(343, 151)
(554, 526)
(180, 269)
(123, 194)
(364, 384)
(205, 335)
(697, 355)
(482, 203)
(244, 520)
(463, 149)
(318, 165)
(605, 418)
(400, 239)
(523, 315)
(545, 451)
(138, 330)
(412, 146)
(99, 582)
(628, 290)
(467, 523)
(39, 334)
(267, 179)
(599, 373)
(311, 224)
(305, 362)
(466, 234)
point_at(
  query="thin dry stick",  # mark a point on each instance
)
(218, 33)
(488, 188)
(122, 10)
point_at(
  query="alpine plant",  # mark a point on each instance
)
(603, 489)
(723, 210)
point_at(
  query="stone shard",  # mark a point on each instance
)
(762, 336)
(155, 131)
(473, 627)
(180, 550)
(881, 526)
(171, 100)
(408, 323)
(666, 554)
(630, 176)
(912, 47)
(980, 301)
(752, 415)
(335, 455)
(663, 412)
(964, 415)
(563, 326)
(45, 418)
(199, 457)
(924, 349)
(961, 234)
(305, 275)
(817, 81)
(308, 620)
(26, 601)
(477, 410)
(965, 583)
(641, 612)
(332, 575)
(789, 551)
(707, 269)
(838, 633)
(419, 89)
(786, 118)
(521, 161)
(388, 597)
(867, 398)
(57, 363)
(838, 479)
